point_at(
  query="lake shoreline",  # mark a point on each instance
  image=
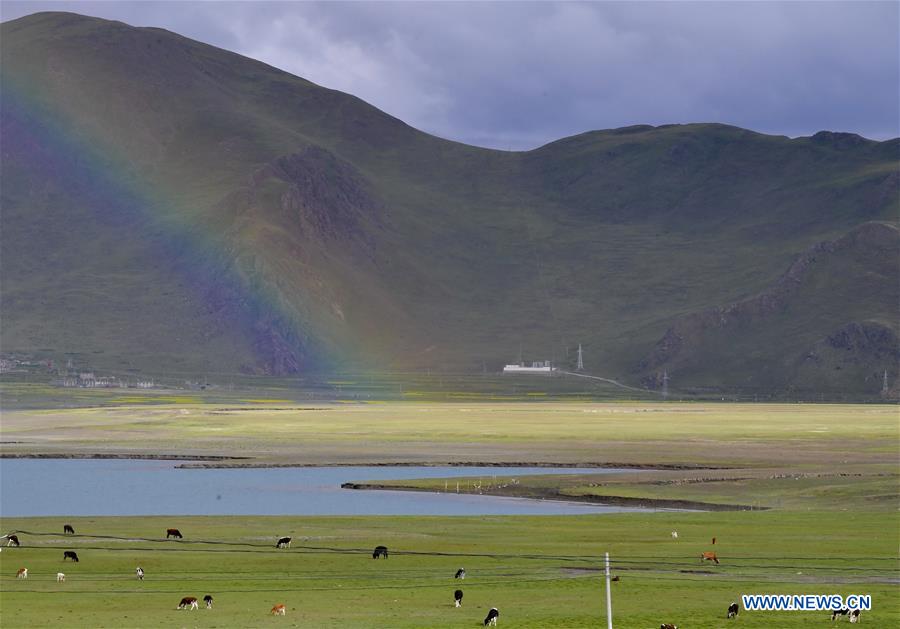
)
(207, 461)
(600, 500)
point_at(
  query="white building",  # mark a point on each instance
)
(543, 367)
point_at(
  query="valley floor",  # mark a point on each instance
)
(825, 475)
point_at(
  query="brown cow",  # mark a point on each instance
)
(709, 556)
(22, 573)
(173, 533)
(189, 602)
(278, 610)
(667, 625)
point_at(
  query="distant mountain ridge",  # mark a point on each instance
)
(169, 206)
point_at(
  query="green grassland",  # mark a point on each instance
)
(539, 571)
(827, 475)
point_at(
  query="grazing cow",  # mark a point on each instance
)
(710, 556)
(667, 625)
(22, 573)
(491, 618)
(733, 610)
(60, 577)
(674, 534)
(13, 540)
(208, 600)
(173, 533)
(460, 574)
(380, 551)
(714, 541)
(70, 554)
(68, 530)
(283, 542)
(615, 578)
(189, 602)
(854, 616)
(140, 573)
(457, 597)
(278, 610)
(839, 612)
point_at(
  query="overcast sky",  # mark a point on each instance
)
(518, 75)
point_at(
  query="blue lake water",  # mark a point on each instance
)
(41, 487)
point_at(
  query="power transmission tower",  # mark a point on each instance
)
(580, 366)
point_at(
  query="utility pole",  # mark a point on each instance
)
(580, 366)
(608, 597)
(665, 391)
(884, 384)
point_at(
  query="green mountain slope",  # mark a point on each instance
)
(170, 206)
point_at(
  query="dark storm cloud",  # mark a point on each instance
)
(516, 75)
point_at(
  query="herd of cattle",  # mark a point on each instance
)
(380, 552)
(191, 602)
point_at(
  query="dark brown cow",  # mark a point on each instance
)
(70, 554)
(68, 530)
(380, 551)
(173, 533)
(189, 602)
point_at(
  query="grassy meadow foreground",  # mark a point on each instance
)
(539, 571)
(822, 480)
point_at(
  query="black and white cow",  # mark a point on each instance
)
(854, 615)
(733, 610)
(457, 597)
(140, 573)
(70, 554)
(667, 625)
(491, 618)
(460, 574)
(13, 540)
(208, 599)
(380, 551)
(283, 542)
(840, 612)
